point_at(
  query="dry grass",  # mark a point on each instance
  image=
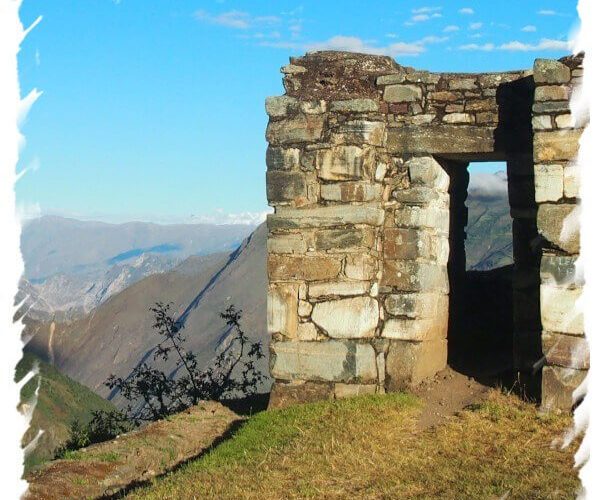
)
(369, 447)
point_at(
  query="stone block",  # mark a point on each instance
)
(286, 243)
(360, 132)
(338, 288)
(307, 332)
(550, 71)
(566, 351)
(402, 93)
(559, 270)
(304, 308)
(417, 305)
(440, 139)
(287, 394)
(550, 220)
(280, 106)
(391, 79)
(558, 384)
(423, 77)
(412, 276)
(283, 267)
(477, 105)
(283, 158)
(424, 170)
(565, 121)
(409, 363)
(355, 106)
(458, 118)
(571, 181)
(302, 128)
(412, 244)
(344, 239)
(454, 108)
(285, 186)
(421, 119)
(415, 329)
(542, 122)
(337, 215)
(352, 191)
(352, 390)
(550, 107)
(548, 182)
(282, 309)
(462, 84)
(423, 217)
(557, 145)
(559, 311)
(345, 163)
(329, 361)
(552, 93)
(421, 195)
(444, 96)
(360, 267)
(486, 117)
(355, 317)
(313, 107)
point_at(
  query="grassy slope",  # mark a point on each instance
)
(60, 401)
(369, 447)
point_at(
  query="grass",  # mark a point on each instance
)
(60, 401)
(370, 447)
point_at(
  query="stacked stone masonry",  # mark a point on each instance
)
(360, 165)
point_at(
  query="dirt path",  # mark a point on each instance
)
(107, 468)
(446, 394)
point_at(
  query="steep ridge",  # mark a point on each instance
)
(118, 335)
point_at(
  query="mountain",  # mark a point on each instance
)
(73, 266)
(60, 401)
(118, 334)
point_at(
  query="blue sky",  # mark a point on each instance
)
(154, 110)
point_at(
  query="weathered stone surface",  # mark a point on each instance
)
(417, 305)
(565, 121)
(571, 181)
(302, 128)
(402, 93)
(283, 158)
(566, 350)
(412, 276)
(293, 69)
(416, 329)
(559, 270)
(338, 288)
(412, 244)
(304, 308)
(355, 106)
(481, 105)
(283, 267)
(286, 243)
(332, 361)
(352, 191)
(282, 309)
(360, 267)
(559, 310)
(290, 218)
(391, 79)
(280, 106)
(356, 317)
(344, 239)
(344, 163)
(351, 390)
(553, 146)
(550, 220)
(463, 84)
(421, 195)
(542, 122)
(551, 93)
(551, 107)
(360, 132)
(458, 118)
(283, 395)
(313, 107)
(548, 182)
(409, 363)
(307, 332)
(444, 96)
(285, 186)
(423, 217)
(423, 77)
(424, 170)
(550, 71)
(439, 139)
(558, 384)
(421, 119)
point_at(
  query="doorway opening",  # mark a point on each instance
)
(480, 272)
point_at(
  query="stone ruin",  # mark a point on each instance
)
(367, 173)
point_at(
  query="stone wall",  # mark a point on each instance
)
(556, 139)
(363, 164)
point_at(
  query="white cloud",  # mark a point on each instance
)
(426, 10)
(450, 28)
(543, 44)
(355, 44)
(475, 26)
(486, 185)
(433, 39)
(236, 19)
(546, 12)
(486, 47)
(476, 35)
(420, 18)
(467, 11)
(37, 57)
(530, 28)
(219, 216)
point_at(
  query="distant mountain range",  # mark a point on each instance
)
(73, 266)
